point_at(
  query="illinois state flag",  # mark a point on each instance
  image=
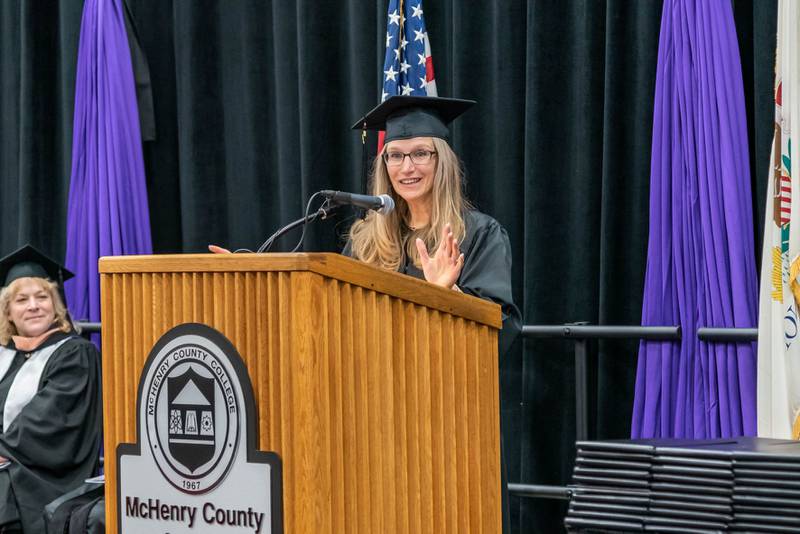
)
(779, 319)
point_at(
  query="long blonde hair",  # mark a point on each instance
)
(383, 240)
(8, 329)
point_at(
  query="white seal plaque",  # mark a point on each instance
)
(194, 467)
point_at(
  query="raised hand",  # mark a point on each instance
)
(445, 265)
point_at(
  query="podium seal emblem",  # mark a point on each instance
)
(192, 422)
(195, 465)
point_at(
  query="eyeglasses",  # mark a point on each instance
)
(418, 157)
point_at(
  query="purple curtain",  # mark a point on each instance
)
(107, 213)
(700, 259)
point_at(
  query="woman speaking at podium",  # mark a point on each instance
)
(433, 233)
(50, 405)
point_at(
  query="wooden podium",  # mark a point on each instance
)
(379, 391)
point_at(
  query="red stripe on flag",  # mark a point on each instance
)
(429, 68)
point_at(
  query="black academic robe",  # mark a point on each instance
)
(54, 442)
(486, 273)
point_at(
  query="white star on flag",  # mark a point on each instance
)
(419, 35)
(417, 11)
(407, 89)
(404, 67)
(390, 74)
(394, 18)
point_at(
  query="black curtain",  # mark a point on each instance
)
(38, 54)
(589, 99)
(253, 103)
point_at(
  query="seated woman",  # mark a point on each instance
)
(50, 398)
(433, 233)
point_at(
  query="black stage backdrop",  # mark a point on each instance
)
(253, 104)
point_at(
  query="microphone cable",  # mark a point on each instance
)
(307, 220)
(324, 211)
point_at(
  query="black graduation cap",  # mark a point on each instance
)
(28, 261)
(404, 117)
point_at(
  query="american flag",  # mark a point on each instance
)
(407, 66)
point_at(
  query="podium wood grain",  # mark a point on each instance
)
(379, 391)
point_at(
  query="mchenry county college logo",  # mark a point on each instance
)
(194, 467)
(193, 437)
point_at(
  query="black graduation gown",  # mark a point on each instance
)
(486, 273)
(54, 442)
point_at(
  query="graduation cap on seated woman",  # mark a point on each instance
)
(26, 262)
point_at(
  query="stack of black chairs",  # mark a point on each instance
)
(659, 485)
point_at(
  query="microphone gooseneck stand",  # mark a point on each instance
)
(322, 213)
(383, 204)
